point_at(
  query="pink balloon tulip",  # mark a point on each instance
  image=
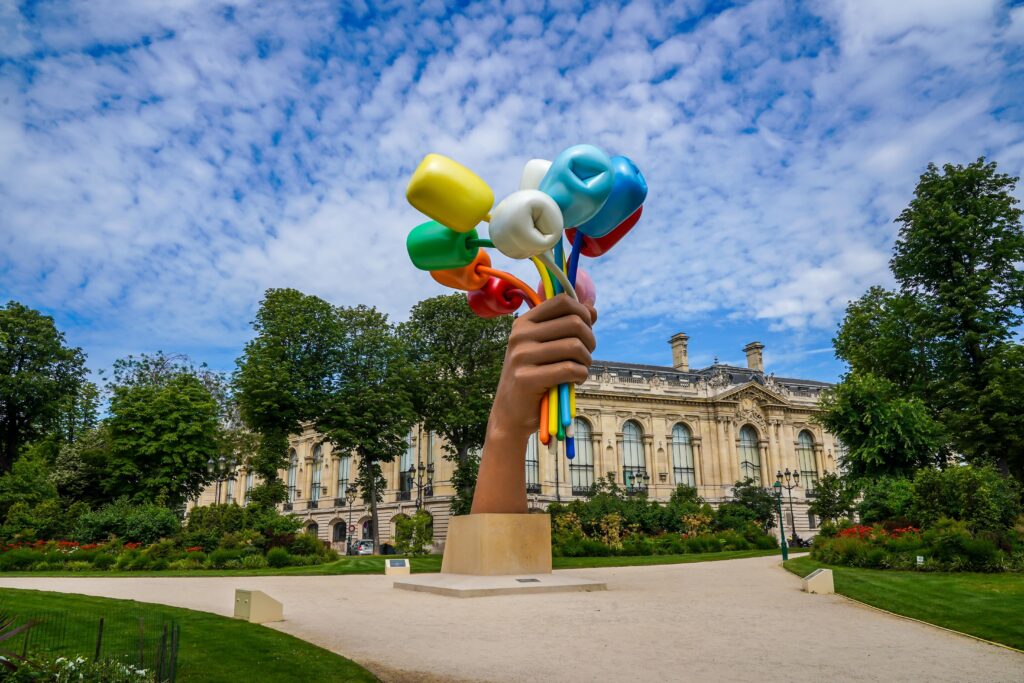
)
(585, 288)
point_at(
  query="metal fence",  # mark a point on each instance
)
(130, 634)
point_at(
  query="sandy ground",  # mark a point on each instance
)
(740, 620)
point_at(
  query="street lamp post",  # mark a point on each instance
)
(219, 468)
(417, 472)
(782, 524)
(635, 479)
(792, 482)
(350, 498)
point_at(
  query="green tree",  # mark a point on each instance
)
(834, 498)
(370, 409)
(162, 431)
(282, 379)
(28, 482)
(80, 468)
(413, 534)
(886, 433)
(885, 499)
(38, 374)
(959, 253)
(879, 334)
(457, 357)
(752, 502)
(946, 341)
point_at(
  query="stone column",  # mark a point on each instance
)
(597, 453)
(766, 474)
(619, 462)
(721, 456)
(307, 470)
(698, 461)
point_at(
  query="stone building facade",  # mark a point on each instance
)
(648, 427)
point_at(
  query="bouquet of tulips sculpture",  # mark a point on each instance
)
(591, 198)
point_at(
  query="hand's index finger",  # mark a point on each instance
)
(557, 307)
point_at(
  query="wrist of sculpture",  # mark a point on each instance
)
(501, 481)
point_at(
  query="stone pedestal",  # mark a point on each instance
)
(497, 554)
(498, 544)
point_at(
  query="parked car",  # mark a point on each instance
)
(364, 547)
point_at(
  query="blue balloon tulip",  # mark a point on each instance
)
(579, 180)
(628, 193)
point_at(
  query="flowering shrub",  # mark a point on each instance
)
(948, 546)
(77, 670)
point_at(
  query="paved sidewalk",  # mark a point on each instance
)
(738, 620)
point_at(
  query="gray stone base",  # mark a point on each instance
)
(467, 586)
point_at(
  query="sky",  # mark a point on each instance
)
(163, 163)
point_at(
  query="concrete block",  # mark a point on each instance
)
(498, 544)
(257, 607)
(396, 567)
(819, 581)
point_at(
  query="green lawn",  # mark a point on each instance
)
(989, 606)
(212, 648)
(420, 565)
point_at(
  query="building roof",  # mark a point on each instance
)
(736, 375)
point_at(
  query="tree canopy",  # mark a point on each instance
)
(282, 378)
(162, 431)
(935, 366)
(370, 408)
(39, 375)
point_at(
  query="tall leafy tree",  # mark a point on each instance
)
(943, 346)
(370, 408)
(39, 372)
(283, 378)
(161, 433)
(457, 358)
(959, 252)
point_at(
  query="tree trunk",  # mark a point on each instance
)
(375, 531)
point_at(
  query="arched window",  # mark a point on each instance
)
(250, 481)
(581, 468)
(293, 473)
(343, 474)
(318, 463)
(405, 468)
(750, 458)
(338, 532)
(805, 456)
(634, 465)
(682, 456)
(313, 528)
(532, 465)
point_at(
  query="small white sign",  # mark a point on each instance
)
(920, 560)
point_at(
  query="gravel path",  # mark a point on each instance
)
(738, 620)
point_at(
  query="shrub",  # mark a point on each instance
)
(18, 560)
(307, 544)
(254, 562)
(220, 558)
(279, 557)
(414, 534)
(886, 498)
(78, 566)
(979, 496)
(136, 523)
(103, 561)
